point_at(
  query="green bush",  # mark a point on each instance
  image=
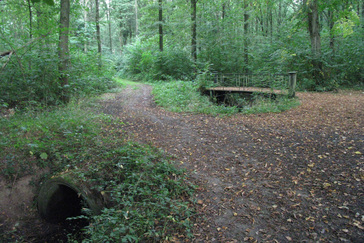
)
(33, 78)
(142, 60)
(184, 96)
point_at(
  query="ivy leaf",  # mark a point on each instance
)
(44, 156)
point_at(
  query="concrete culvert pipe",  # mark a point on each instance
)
(64, 196)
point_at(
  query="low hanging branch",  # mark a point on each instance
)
(5, 53)
(11, 52)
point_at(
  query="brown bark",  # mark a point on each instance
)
(63, 50)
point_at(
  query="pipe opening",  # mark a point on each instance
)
(64, 203)
(64, 197)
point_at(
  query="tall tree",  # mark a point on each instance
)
(98, 35)
(160, 24)
(246, 39)
(30, 20)
(109, 24)
(194, 30)
(311, 7)
(136, 17)
(63, 49)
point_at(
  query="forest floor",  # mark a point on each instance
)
(292, 176)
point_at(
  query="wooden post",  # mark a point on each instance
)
(292, 84)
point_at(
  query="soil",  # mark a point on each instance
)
(293, 176)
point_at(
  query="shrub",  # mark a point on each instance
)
(144, 61)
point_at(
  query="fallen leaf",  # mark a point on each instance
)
(288, 238)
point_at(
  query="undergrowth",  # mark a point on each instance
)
(148, 196)
(182, 96)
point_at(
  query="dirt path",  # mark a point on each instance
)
(293, 176)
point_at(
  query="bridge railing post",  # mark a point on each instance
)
(292, 84)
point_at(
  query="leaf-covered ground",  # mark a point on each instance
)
(292, 176)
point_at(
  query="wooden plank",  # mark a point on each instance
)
(245, 89)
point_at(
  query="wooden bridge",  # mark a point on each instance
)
(266, 84)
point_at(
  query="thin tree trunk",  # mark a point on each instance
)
(330, 16)
(109, 21)
(30, 20)
(85, 20)
(271, 22)
(63, 49)
(314, 30)
(136, 17)
(246, 40)
(194, 30)
(160, 25)
(223, 10)
(279, 21)
(98, 35)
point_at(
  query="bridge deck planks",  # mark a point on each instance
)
(245, 89)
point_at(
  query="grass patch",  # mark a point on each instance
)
(182, 96)
(149, 197)
(266, 105)
(126, 82)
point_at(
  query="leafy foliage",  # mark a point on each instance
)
(34, 80)
(144, 61)
(145, 191)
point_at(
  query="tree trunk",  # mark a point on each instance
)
(270, 10)
(223, 10)
(30, 20)
(246, 40)
(330, 19)
(194, 30)
(314, 30)
(98, 35)
(63, 49)
(160, 25)
(109, 23)
(136, 17)
(85, 20)
(279, 21)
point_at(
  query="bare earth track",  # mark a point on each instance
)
(295, 176)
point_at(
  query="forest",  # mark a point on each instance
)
(105, 135)
(45, 58)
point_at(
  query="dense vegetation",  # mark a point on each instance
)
(163, 40)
